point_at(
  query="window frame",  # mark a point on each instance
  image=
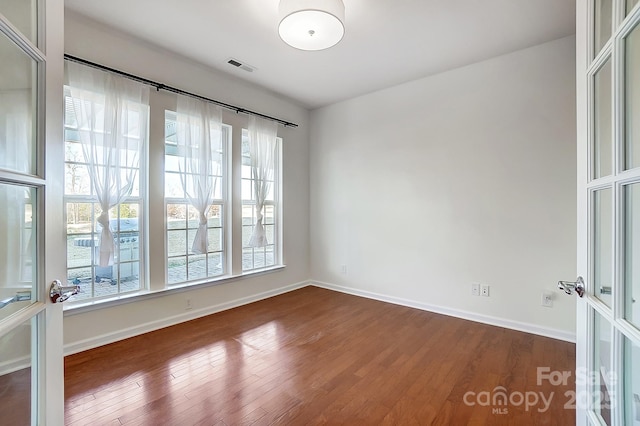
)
(139, 199)
(224, 210)
(153, 230)
(275, 204)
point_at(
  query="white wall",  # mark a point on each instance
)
(467, 176)
(92, 41)
(419, 190)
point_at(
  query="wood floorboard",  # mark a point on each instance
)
(15, 398)
(314, 356)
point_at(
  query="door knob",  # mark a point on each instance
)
(569, 286)
(59, 293)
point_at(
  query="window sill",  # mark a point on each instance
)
(88, 306)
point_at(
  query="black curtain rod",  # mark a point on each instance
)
(160, 86)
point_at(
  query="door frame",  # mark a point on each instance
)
(588, 306)
(54, 247)
(47, 364)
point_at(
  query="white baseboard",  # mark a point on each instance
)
(13, 365)
(115, 336)
(126, 333)
(485, 319)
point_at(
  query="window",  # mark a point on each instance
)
(259, 256)
(183, 263)
(106, 183)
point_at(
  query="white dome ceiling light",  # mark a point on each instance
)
(311, 24)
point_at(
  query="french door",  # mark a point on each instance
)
(608, 334)
(31, 242)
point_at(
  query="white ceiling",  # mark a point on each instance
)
(387, 42)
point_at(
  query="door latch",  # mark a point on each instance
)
(570, 286)
(59, 293)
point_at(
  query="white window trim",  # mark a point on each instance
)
(123, 299)
(153, 229)
(225, 202)
(276, 203)
(90, 198)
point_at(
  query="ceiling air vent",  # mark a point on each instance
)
(240, 65)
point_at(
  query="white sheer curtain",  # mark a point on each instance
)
(16, 123)
(111, 115)
(199, 138)
(262, 148)
(16, 153)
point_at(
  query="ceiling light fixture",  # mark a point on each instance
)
(311, 24)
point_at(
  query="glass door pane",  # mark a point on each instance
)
(23, 15)
(631, 383)
(603, 377)
(16, 375)
(18, 88)
(632, 99)
(602, 245)
(609, 212)
(632, 253)
(602, 153)
(30, 393)
(17, 248)
(603, 14)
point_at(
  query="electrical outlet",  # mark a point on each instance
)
(484, 290)
(547, 299)
(188, 305)
(475, 289)
(343, 269)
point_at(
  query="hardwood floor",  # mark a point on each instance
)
(15, 398)
(314, 356)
